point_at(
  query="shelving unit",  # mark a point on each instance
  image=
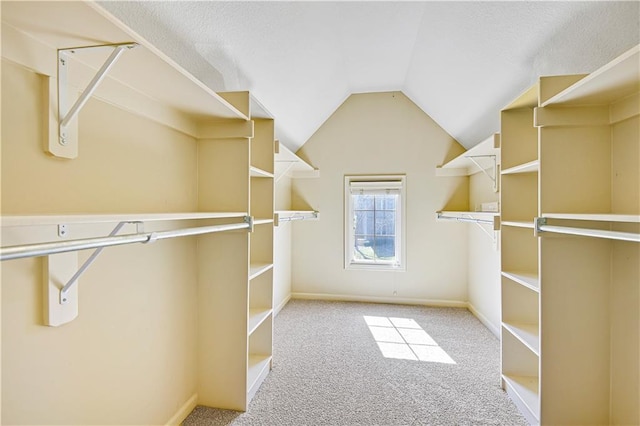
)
(229, 158)
(570, 303)
(242, 312)
(484, 158)
(289, 165)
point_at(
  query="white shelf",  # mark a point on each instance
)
(465, 214)
(595, 217)
(258, 368)
(54, 219)
(528, 280)
(257, 269)
(519, 224)
(528, 334)
(463, 166)
(256, 317)
(614, 81)
(256, 172)
(289, 164)
(524, 391)
(530, 167)
(77, 24)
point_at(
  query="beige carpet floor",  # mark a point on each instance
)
(342, 363)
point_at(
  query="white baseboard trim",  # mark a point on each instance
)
(184, 411)
(492, 328)
(378, 299)
(278, 308)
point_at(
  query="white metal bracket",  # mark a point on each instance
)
(67, 112)
(494, 167)
(74, 279)
(495, 228)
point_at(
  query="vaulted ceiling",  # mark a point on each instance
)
(460, 62)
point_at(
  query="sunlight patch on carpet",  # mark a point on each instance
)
(403, 338)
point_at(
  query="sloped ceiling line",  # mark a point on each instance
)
(460, 62)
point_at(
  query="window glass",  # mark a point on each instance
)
(373, 222)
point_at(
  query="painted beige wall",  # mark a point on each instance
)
(130, 356)
(381, 133)
(483, 275)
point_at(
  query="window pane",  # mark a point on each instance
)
(363, 247)
(385, 223)
(386, 202)
(364, 222)
(385, 248)
(363, 202)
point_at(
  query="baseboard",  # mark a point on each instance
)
(278, 308)
(377, 299)
(184, 411)
(484, 320)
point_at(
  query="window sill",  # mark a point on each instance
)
(375, 267)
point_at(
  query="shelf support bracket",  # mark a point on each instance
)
(67, 113)
(494, 236)
(494, 167)
(64, 291)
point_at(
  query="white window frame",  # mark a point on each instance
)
(375, 182)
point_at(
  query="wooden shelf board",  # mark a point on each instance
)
(528, 334)
(525, 388)
(257, 316)
(518, 223)
(595, 217)
(479, 215)
(616, 80)
(257, 269)
(54, 219)
(530, 167)
(256, 172)
(528, 280)
(75, 24)
(285, 155)
(464, 165)
(258, 366)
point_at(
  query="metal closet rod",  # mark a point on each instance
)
(541, 226)
(44, 249)
(466, 219)
(290, 219)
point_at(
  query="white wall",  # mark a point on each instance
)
(130, 356)
(483, 276)
(381, 133)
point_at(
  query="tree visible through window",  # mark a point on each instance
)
(373, 222)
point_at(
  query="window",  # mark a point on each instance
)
(374, 222)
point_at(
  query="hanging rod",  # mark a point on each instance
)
(313, 215)
(465, 219)
(292, 218)
(44, 249)
(541, 226)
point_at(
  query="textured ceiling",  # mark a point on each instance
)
(460, 62)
